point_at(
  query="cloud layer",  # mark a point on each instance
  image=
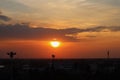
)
(65, 13)
(25, 32)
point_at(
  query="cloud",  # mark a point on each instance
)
(4, 18)
(24, 32)
(0, 12)
(108, 2)
(101, 28)
(66, 13)
(13, 5)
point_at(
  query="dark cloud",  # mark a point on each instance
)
(115, 28)
(100, 28)
(24, 32)
(4, 18)
(0, 12)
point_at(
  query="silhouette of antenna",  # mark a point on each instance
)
(53, 62)
(53, 56)
(108, 54)
(11, 54)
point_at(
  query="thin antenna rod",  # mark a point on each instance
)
(108, 54)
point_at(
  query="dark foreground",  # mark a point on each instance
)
(66, 69)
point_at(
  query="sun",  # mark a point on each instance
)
(55, 44)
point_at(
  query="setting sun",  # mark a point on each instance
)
(55, 44)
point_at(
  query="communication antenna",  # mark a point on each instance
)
(108, 54)
(11, 54)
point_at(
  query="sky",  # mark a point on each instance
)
(86, 28)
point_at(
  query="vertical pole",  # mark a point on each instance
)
(11, 55)
(108, 54)
(11, 69)
(53, 65)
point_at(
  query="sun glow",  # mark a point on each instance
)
(55, 44)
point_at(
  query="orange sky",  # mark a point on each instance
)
(38, 49)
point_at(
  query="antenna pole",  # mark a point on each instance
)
(108, 54)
